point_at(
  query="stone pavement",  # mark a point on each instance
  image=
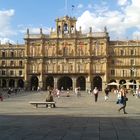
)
(74, 118)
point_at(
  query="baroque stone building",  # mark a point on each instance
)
(12, 65)
(69, 58)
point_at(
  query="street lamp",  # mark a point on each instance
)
(133, 71)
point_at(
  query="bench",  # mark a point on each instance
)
(48, 104)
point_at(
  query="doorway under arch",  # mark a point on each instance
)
(65, 82)
(34, 83)
(133, 86)
(122, 82)
(112, 86)
(11, 83)
(81, 82)
(97, 82)
(20, 83)
(4, 83)
(49, 82)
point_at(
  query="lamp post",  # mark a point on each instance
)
(133, 70)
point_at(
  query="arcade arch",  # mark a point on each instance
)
(81, 82)
(65, 82)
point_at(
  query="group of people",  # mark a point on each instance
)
(121, 96)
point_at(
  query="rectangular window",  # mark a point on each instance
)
(12, 54)
(123, 73)
(3, 72)
(3, 54)
(11, 72)
(113, 72)
(71, 68)
(20, 72)
(122, 52)
(11, 63)
(132, 62)
(20, 63)
(132, 52)
(131, 72)
(112, 62)
(3, 63)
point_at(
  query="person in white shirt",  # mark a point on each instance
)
(95, 92)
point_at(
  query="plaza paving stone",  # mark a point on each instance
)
(74, 118)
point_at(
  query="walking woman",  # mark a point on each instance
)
(124, 99)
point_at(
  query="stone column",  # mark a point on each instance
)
(55, 82)
(104, 85)
(74, 82)
(26, 82)
(16, 83)
(40, 63)
(88, 83)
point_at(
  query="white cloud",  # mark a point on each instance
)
(6, 40)
(122, 2)
(5, 27)
(90, 6)
(136, 35)
(117, 21)
(80, 6)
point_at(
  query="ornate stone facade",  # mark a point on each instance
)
(67, 58)
(12, 65)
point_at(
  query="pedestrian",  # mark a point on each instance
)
(9, 92)
(58, 93)
(1, 96)
(49, 98)
(95, 92)
(76, 91)
(68, 93)
(107, 90)
(124, 99)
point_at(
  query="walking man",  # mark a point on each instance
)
(95, 92)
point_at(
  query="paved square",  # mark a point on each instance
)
(74, 118)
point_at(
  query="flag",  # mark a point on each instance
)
(72, 7)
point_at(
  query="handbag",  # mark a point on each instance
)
(126, 99)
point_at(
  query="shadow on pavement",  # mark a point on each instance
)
(40, 127)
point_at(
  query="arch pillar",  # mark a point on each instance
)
(26, 81)
(7, 83)
(104, 85)
(16, 83)
(127, 86)
(88, 83)
(55, 82)
(74, 82)
(40, 84)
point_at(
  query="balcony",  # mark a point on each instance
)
(68, 72)
(31, 72)
(11, 67)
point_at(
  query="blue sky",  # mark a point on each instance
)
(121, 17)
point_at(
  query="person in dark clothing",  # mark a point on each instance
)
(1, 96)
(95, 92)
(49, 98)
(124, 99)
